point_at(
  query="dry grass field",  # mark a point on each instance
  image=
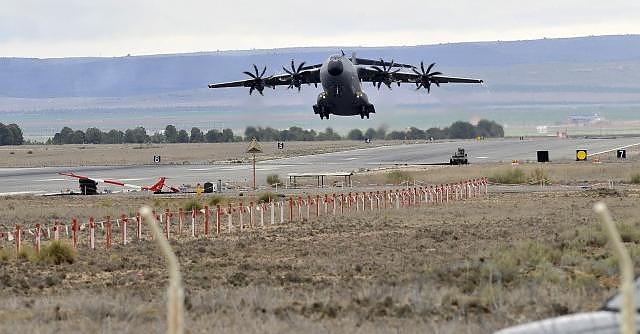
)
(469, 267)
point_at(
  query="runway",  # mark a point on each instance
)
(15, 181)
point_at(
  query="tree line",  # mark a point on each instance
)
(10, 134)
(139, 135)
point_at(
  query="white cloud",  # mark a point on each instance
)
(43, 28)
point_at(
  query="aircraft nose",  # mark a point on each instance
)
(335, 67)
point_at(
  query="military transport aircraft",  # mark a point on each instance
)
(88, 186)
(340, 77)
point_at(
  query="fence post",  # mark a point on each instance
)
(92, 233)
(107, 233)
(138, 226)
(124, 220)
(282, 212)
(230, 217)
(74, 231)
(218, 223)
(251, 214)
(18, 236)
(194, 216)
(206, 220)
(262, 208)
(241, 212)
(272, 212)
(167, 223)
(37, 238)
(290, 208)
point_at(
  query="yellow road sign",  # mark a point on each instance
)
(581, 155)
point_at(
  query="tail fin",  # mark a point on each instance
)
(157, 186)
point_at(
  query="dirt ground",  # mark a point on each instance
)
(470, 267)
(136, 154)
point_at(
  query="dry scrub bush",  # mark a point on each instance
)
(190, 204)
(57, 252)
(217, 199)
(4, 255)
(27, 253)
(267, 197)
(508, 176)
(398, 177)
(538, 176)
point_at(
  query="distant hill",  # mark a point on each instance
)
(514, 66)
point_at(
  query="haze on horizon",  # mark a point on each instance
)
(71, 28)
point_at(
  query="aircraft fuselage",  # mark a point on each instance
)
(342, 93)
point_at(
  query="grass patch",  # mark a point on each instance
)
(57, 252)
(635, 178)
(217, 200)
(509, 176)
(398, 177)
(539, 175)
(267, 197)
(190, 204)
(28, 253)
(4, 255)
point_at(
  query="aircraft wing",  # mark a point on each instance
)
(412, 77)
(368, 74)
(311, 75)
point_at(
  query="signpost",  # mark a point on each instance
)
(254, 148)
(156, 159)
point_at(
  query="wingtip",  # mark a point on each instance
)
(210, 86)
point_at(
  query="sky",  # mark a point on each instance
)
(66, 28)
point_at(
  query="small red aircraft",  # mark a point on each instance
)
(88, 186)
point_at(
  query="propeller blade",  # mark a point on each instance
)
(293, 66)
(249, 74)
(435, 73)
(430, 67)
(415, 71)
(300, 66)
(263, 70)
(287, 71)
(251, 90)
(422, 66)
(256, 68)
(379, 82)
(377, 68)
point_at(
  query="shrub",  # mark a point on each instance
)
(27, 253)
(398, 176)
(4, 255)
(273, 179)
(635, 178)
(217, 199)
(190, 204)
(267, 197)
(539, 175)
(58, 252)
(509, 176)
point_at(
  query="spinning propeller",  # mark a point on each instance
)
(384, 75)
(426, 78)
(296, 77)
(258, 81)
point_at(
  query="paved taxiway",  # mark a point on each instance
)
(46, 179)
